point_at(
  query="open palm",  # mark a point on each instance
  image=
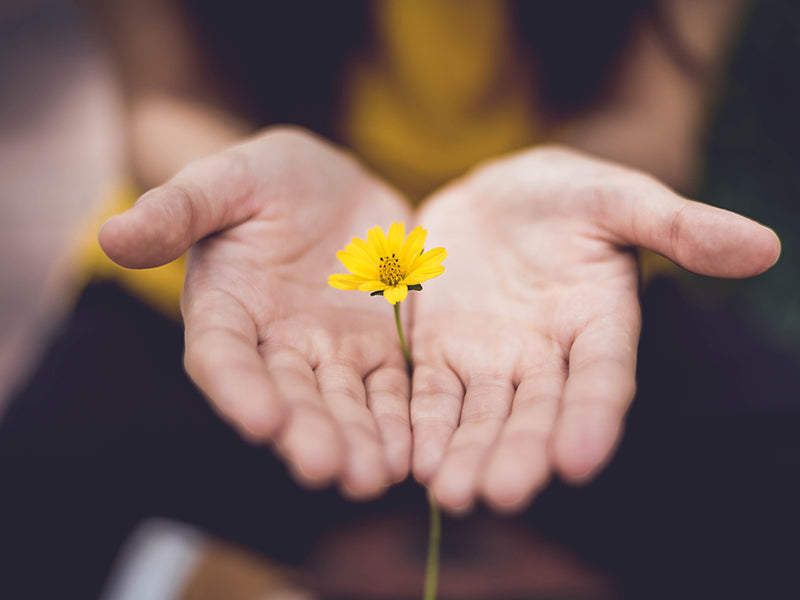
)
(279, 353)
(525, 353)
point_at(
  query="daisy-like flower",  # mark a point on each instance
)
(388, 265)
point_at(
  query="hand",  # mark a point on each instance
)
(279, 353)
(525, 350)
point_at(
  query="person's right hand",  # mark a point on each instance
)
(279, 353)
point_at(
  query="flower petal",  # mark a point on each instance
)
(419, 276)
(413, 246)
(361, 251)
(395, 294)
(368, 249)
(430, 259)
(358, 265)
(372, 286)
(397, 233)
(377, 239)
(345, 281)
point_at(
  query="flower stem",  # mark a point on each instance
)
(403, 344)
(435, 526)
(434, 541)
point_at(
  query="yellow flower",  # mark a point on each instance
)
(388, 265)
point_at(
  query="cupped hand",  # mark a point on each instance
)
(525, 351)
(281, 355)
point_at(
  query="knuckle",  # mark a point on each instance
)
(362, 429)
(433, 423)
(435, 382)
(677, 228)
(392, 421)
(489, 413)
(340, 379)
(180, 212)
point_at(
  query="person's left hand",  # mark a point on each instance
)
(525, 350)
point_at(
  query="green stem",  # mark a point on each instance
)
(434, 541)
(435, 527)
(403, 344)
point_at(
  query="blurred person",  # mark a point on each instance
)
(525, 352)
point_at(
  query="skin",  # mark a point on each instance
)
(524, 350)
(526, 354)
(282, 356)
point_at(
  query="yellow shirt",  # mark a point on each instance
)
(444, 90)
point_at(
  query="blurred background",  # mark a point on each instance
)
(60, 150)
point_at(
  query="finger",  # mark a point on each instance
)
(388, 400)
(599, 389)
(698, 237)
(310, 441)
(487, 404)
(207, 196)
(519, 466)
(436, 396)
(222, 358)
(365, 472)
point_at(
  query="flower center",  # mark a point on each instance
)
(389, 270)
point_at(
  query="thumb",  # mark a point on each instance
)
(701, 238)
(207, 196)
